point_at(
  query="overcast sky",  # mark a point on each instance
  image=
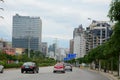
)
(59, 17)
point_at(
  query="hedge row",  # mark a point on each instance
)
(13, 65)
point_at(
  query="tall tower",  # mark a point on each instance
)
(97, 33)
(27, 32)
(79, 42)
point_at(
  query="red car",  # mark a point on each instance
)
(59, 67)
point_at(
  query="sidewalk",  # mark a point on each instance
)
(108, 75)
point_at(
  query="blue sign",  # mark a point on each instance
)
(69, 57)
(66, 59)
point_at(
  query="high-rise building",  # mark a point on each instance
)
(97, 33)
(52, 48)
(44, 48)
(27, 32)
(2, 44)
(71, 46)
(79, 42)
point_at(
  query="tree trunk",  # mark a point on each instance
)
(112, 66)
(99, 65)
(119, 65)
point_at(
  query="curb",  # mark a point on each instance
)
(108, 75)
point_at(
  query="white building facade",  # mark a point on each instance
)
(79, 42)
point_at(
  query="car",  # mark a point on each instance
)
(59, 67)
(29, 67)
(1, 68)
(68, 66)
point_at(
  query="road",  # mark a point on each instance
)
(46, 73)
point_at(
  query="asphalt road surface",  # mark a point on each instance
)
(46, 73)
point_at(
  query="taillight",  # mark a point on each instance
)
(22, 66)
(55, 66)
(58, 66)
(31, 67)
(61, 66)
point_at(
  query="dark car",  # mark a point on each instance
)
(29, 67)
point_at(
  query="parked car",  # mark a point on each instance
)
(68, 66)
(1, 68)
(59, 67)
(29, 67)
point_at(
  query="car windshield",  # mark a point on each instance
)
(29, 63)
(59, 64)
(67, 64)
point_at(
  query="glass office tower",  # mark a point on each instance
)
(27, 32)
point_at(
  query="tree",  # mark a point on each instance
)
(114, 12)
(114, 15)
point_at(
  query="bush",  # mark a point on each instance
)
(46, 64)
(13, 65)
(2, 62)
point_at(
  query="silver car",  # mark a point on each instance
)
(1, 68)
(68, 66)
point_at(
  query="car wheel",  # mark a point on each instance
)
(26, 71)
(63, 71)
(22, 71)
(70, 69)
(1, 71)
(54, 71)
(37, 71)
(33, 71)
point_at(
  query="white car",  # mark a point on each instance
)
(1, 68)
(68, 66)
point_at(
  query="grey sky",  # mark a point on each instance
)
(59, 17)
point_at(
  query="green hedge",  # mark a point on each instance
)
(13, 65)
(40, 62)
(46, 64)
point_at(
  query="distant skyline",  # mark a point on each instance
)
(59, 17)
